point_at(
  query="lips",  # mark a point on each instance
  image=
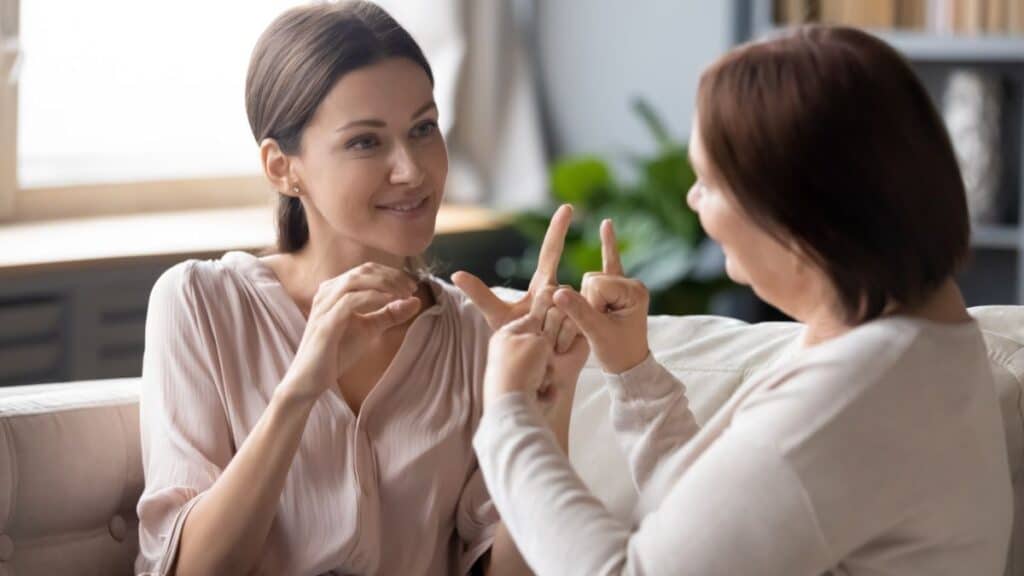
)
(406, 206)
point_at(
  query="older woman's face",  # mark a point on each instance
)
(752, 256)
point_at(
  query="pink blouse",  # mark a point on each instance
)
(394, 490)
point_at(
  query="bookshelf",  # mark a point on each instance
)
(995, 274)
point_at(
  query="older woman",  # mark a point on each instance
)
(875, 445)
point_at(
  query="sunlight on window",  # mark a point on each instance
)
(123, 90)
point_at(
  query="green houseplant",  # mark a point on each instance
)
(660, 238)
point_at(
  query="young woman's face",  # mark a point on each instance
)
(373, 161)
(752, 256)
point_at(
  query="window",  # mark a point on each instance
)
(140, 105)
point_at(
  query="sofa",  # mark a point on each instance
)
(71, 473)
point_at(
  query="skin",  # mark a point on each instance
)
(370, 175)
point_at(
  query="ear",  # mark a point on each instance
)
(278, 168)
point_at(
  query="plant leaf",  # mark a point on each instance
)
(583, 180)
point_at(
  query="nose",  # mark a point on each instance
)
(405, 168)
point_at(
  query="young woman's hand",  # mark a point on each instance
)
(349, 313)
(611, 310)
(497, 312)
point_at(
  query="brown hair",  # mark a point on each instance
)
(826, 138)
(296, 62)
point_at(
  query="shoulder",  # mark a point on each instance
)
(193, 284)
(880, 376)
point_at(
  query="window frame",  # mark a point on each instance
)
(9, 57)
(22, 204)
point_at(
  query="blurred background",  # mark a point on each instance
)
(124, 146)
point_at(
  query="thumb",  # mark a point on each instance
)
(492, 307)
(395, 313)
(579, 310)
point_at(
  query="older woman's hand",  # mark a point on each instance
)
(611, 311)
(497, 312)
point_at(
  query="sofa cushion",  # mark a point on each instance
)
(70, 475)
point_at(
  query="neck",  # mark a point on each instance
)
(944, 306)
(318, 262)
(822, 324)
(304, 271)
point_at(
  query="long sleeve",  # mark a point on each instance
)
(186, 440)
(652, 421)
(739, 510)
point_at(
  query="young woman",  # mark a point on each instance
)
(312, 411)
(875, 448)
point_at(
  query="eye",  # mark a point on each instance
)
(424, 129)
(362, 142)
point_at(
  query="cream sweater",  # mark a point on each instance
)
(878, 452)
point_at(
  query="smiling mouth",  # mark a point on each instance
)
(405, 207)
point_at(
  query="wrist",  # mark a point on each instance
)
(495, 391)
(625, 364)
(294, 394)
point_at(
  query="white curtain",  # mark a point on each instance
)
(489, 108)
(498, 126)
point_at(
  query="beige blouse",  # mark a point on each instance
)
(394, 490)
(878, 452)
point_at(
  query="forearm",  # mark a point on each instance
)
(225, 531)
(559, 526)
(651, 416)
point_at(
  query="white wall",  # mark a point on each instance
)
(598, 54)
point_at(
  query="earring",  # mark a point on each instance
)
(295, 190)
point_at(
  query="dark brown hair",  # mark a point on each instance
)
(293, 67)
(826, 138)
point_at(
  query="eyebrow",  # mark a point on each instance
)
(377, 123)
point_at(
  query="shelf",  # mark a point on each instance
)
(948, 48)
(993, 236)
(924, 47)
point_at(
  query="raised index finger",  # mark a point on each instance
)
(610, 261)
(551, 249)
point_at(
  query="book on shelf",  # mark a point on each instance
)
(996, 21)
(1015, 16)
(967, 17)
(911, 14)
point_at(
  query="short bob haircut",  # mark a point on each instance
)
(827, 140)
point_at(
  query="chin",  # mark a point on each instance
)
(412, 245)
(735, 272)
